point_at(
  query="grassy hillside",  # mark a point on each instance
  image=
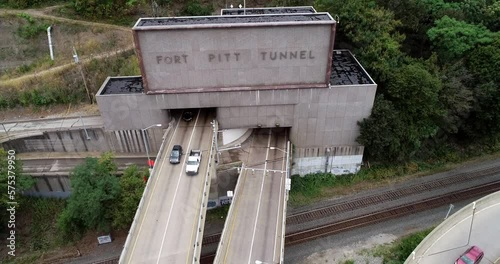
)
(25, 49)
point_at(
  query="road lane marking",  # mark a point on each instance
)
(154, 187)
(260, 197)
(176, 189)
(236, 203)
(279, 204)
(200, 197)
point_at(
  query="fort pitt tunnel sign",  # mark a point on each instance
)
(235, 58)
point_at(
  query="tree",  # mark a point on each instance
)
(195, 8)
(132, 187)
(398, 125)
(95, 187)
(457, 98)
(453, 38)
(103, 8)
(484, 64)
(11, 174)
(383, 132)
(372, 31)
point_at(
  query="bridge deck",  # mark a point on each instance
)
(254, 227)
(166, 229)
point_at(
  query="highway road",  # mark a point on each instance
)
(19, 129)
(481, 230)
(255, 225)
(57, 165)
(165, 231)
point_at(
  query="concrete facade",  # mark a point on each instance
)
(321, 96)
(120, 141)
(219, 58)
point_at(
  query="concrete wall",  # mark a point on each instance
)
(429, 245)
(51, 186)
(186, 60)
(130, 111)
(338, 160)
(319, 117)
(121, 141)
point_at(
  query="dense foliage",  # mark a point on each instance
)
(131, 189)
(100, 199)
(95, 188)
(436, 64)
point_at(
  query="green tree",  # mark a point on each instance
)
(456, 96)
(132, 186)
(95, 187)
(383, 132)
(484, 64)
(103, 8)
(195, 8)
(11, 174)
(453, 38)
(372, 32)
(399, 124)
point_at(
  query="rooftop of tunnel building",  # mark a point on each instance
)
(346, 70)
(268, 10)
(237, 19)
(123, 85)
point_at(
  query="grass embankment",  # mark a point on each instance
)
(36, 230)
(28, 44)
(399, 250)
(315, 187)
(217, 213)
(67, 86)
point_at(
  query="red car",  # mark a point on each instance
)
(473, 255)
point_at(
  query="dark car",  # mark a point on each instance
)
(175, 155)
(187, 116)
(473, 255)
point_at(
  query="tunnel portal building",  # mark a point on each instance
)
(273, 67)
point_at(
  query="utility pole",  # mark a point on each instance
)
(75, 57)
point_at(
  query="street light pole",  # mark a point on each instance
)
(146, 143)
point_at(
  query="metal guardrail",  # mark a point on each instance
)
(199, 238)
(222, 247)
(287, 189)
(145, 193)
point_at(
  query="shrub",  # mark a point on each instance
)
(195, 8)
(31, 29)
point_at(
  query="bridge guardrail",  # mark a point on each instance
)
(222, 247)
(145, 193)
(201, 222)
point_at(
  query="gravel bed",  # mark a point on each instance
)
(356, 244)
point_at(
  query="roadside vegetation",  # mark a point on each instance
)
(436, 64)
(399, 250)
(100, 203)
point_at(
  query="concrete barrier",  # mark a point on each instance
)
(423, 248)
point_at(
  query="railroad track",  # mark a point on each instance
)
(379, 216)
(390, 213)
(388, 196)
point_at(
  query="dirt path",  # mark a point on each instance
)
(41, 13)
(64, 67)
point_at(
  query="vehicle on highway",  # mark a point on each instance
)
(473, 255)
(187, 116)
(175, 155)
(193, 162)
